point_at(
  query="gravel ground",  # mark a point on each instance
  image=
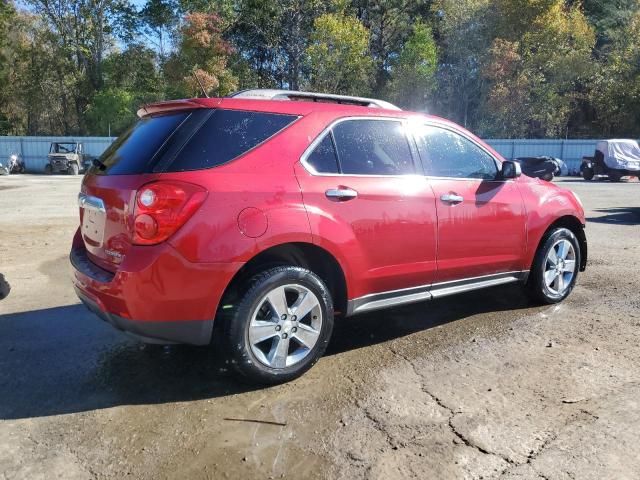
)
(479, 386)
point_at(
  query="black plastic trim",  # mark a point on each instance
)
(193, 332)
(81, 262)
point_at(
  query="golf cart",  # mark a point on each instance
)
(67, 157)
(613, 158)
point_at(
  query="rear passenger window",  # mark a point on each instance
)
(449, 154)
(226, 135)
(323, 158)
(373, 147)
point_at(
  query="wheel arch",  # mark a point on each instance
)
(573, 224)
(301, 254)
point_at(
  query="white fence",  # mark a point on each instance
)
(34, 150)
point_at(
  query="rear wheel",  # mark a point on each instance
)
(588, 173)
(47, 169)
(555, 267)
(280, 326)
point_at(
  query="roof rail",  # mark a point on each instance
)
(272, 94)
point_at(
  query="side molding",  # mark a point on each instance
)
(378, 301)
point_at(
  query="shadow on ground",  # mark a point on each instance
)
(617, 216)
(64, 360)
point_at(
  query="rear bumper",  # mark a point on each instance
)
(155, 294)
(194, 332)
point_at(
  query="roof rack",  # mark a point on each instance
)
(272, 94)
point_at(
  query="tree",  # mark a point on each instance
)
(536, 82)
(390, 24)
(159, 18)
(338, 56)
(413, 78)
(615, 93)
(202, 52)
(111, 111)
(463, 31)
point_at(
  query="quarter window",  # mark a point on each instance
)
(226, 135)
(449, 154)
(323, 159)
(372, 147)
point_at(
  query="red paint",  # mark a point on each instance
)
(396, 234)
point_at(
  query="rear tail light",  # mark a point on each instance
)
(162, 207)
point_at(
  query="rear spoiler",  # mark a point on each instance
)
(169, 106)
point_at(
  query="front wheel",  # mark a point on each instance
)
(280, 326)
(48, 169)
(588, 173)
(555, 267)
(73, 169)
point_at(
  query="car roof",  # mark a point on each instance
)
(293, 107)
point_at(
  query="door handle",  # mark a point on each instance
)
(341, 194)
(452, 198)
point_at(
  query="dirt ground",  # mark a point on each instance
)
(478, 386)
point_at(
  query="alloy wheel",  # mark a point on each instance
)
(285, 326)
(560, 267)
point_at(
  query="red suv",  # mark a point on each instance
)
(260, 217)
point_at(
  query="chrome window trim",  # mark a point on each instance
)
(327, 130)
(381, 300)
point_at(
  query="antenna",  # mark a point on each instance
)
(204, 92)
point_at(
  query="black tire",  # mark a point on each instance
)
(548, 177)
(47, 169)
(73, 169)
(614, 176)
(536, 285)
(237, 320)
(588, 173)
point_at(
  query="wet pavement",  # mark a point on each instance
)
(479, 386)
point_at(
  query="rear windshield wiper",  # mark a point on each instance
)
(97, 163)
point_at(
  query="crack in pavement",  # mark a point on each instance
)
(452, 415)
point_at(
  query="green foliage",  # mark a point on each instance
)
(535, 82)
(338, 56)
(615, 88)
(111, 111)
(525, 68)
(413, 77)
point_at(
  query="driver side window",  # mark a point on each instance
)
(449, 154)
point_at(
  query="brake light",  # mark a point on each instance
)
(161, 208)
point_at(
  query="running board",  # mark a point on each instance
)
(378, 301)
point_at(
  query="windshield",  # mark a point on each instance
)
(63, 148)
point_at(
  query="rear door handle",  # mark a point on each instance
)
(341, 194)
(452, 198)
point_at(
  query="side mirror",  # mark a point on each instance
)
(510, 169)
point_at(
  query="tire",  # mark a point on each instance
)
(548, 177)
(614, 176)
(588, 173)
(47, 169)
(542, 270)
(256, 351)
(73, 169)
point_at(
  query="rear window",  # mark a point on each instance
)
(133, 151)
(178, 142)
(226, 135)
